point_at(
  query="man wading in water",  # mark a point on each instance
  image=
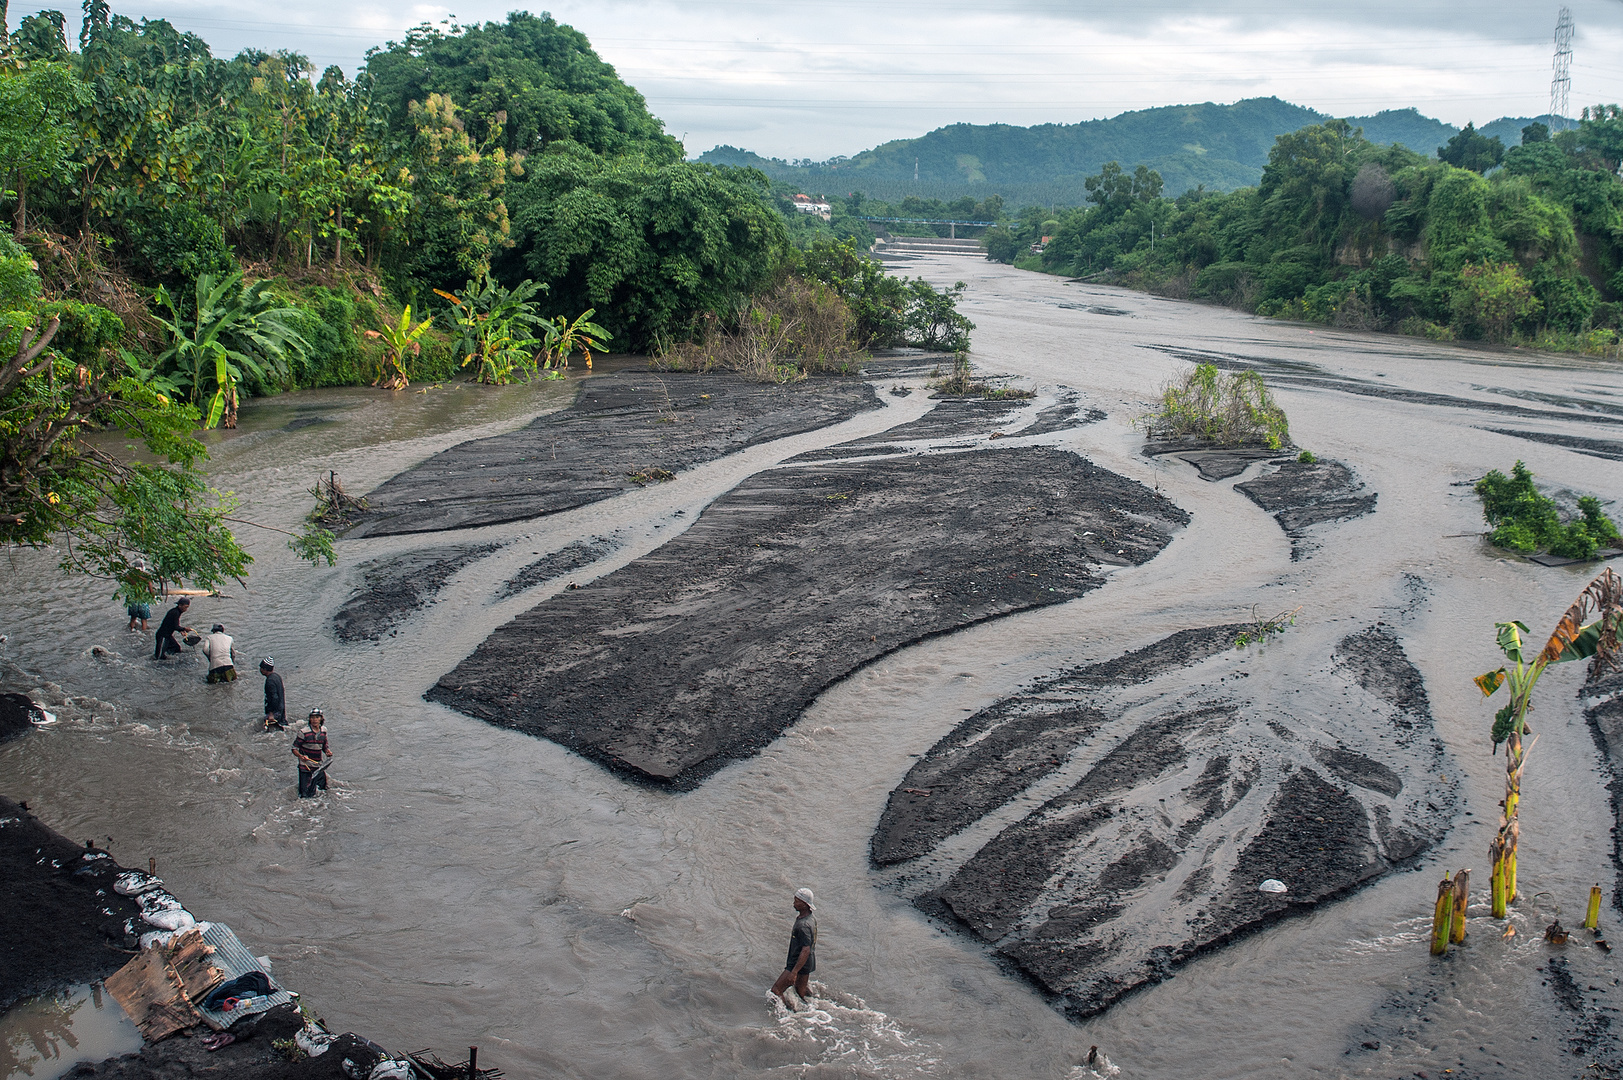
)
(275, 696)
(167, 645)
(222, 655)
(802, 951)
(308, 748)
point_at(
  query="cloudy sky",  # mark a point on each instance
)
(834, 77)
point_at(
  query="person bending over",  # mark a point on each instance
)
(222, 655)
(166, 643)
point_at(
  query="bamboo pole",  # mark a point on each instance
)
(1592, 916)
(1442, 917)
(1462, 892)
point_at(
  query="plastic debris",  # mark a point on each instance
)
(391, 1069)
(1272, 885)
(135, 882)
(315, 1042)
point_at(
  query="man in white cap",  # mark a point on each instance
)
(802, 951)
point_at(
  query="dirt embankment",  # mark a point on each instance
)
(707, 649)
(1183, 802)
(621, 429)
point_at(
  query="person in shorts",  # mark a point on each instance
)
(139, 613)
(802, 951)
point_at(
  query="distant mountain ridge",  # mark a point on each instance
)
(1220, 146)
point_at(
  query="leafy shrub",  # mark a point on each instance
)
(1526, 521)
(177, 243)
(1229, 408)
(18, 282)
(1492, 300)
(889, 310)
(799, 327)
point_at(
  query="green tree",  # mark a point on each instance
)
(1472, 150)
(1492, 300)
(37, 104)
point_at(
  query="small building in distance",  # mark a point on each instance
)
(805, 204)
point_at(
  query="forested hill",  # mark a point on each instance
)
(1221, 146)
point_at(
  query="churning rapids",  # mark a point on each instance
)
(520, 885)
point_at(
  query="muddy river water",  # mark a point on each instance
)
(468, 884)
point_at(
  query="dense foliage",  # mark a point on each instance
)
(1345, 231)
(1525, 520)
(190, 230)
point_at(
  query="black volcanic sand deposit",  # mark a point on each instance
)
(56, 931)
(63, 925)
(706, 649)
(1303, 494)
(1179, 798)
(393, 589)
(622, 424)
(1604, 712)
(565, 560)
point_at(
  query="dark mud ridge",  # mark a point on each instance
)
(705, 650)
(965, 416)
(393, 589)
(1213, 462)
(1171, 795)
(621, 425)
(565, 560)
(1604, 712)
(1301, 495)
(65, 925)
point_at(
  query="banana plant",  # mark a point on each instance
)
(1572, 639)
(564, 337)
(398, 339)
(231, 329)
(498, 327)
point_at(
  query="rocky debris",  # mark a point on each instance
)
(622, 423)
(565, 560)
(1303, 494)
(708, 648)
(1175, 796)
(394, 588)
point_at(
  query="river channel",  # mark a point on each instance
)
(467, 884)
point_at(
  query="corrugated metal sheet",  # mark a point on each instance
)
(233, 958)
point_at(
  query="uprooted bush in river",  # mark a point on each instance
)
(798, 328)
(1229, 408)
(1526, 521)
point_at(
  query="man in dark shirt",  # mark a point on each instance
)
(167, 645)
(802, 951)
(308, 748)
(275, 696)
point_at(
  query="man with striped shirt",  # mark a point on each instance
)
(309, 748)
